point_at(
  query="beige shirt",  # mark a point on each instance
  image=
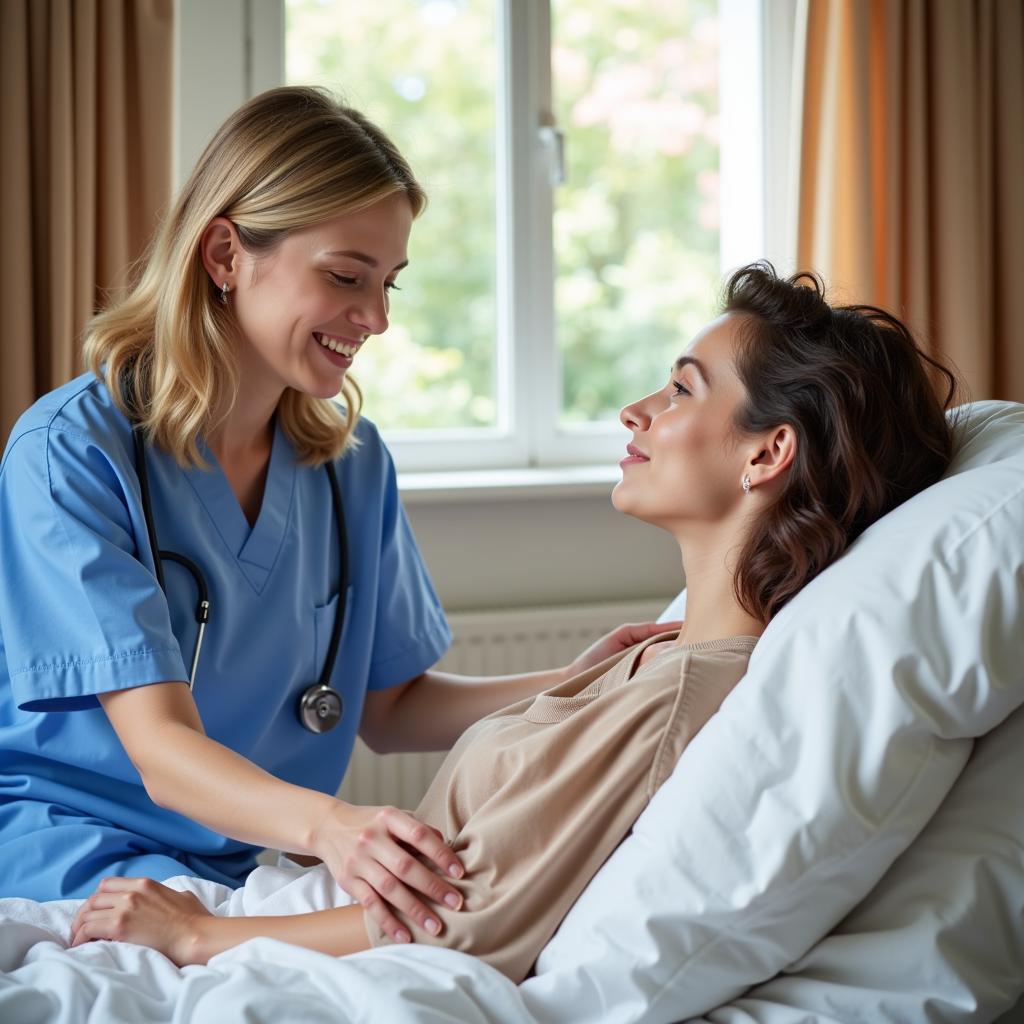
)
(535, 797)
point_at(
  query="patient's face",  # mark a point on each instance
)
(685, 462)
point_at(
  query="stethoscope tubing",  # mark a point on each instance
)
(203, 607)
(339, 617)
(202, 613)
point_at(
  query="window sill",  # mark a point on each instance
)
(507, 484)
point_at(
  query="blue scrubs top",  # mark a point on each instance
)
(81, 613)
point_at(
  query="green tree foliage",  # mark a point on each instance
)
(636, 225)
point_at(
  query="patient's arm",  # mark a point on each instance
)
(334, 932)
(176, 923)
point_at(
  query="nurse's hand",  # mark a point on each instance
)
(617, 641)
(142, 911)
(372, 853)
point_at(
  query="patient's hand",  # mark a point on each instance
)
(143, 911)
(618, 640)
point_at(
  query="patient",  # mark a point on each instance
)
(783, 431)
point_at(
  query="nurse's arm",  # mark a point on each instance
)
(431, 711)
(184, 770)
(366, 849)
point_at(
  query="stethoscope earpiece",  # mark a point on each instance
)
(320, 708)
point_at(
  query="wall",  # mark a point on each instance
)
(514, 553)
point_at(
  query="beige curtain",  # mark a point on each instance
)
(911, 189)
(85, 118)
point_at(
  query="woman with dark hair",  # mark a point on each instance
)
(783, 431)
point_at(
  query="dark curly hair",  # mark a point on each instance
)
(862, 398)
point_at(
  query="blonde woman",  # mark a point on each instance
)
(173, 713)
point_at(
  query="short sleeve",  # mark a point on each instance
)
(79, 613)
(411, 631)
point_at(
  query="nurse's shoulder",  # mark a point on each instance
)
(81, 417)
(366, 461)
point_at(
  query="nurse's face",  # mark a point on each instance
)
(685, 461)
(306, 309)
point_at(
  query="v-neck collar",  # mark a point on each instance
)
(633, 661)
(725, 643)
(255, 548)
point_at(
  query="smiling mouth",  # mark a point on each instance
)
(340, 345)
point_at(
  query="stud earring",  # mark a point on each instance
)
(746, 483)
(224, 289)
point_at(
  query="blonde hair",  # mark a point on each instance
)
(287, 159)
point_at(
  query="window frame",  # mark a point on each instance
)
(527, 366)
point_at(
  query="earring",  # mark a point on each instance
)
(224, 289)
(746, 483)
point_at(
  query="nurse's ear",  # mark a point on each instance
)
(220, 248)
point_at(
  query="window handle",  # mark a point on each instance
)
(553, 141)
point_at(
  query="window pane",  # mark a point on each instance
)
(636, 224)
(425, 71)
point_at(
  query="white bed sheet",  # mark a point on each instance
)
(261, 980)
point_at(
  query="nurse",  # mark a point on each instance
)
(210, 390)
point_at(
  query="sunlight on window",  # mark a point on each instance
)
(426, 73)
(636, 223)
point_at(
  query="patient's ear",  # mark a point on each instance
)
(772, 459)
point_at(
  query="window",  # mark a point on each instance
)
(635, 229)
(574, 156)
(426, 73)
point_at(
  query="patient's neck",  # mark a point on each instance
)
(712, 610)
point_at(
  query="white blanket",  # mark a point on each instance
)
(262, 980)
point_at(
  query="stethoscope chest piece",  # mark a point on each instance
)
(320, 708)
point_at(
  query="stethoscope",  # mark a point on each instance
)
(320, 706)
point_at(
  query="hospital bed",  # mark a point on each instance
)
(844, 841)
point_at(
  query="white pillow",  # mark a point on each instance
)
(941, 937)
(855, 718)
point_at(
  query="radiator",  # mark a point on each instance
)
(488, 643)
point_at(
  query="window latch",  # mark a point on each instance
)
(553, 141)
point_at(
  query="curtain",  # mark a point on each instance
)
(85, 118)
(911, 171)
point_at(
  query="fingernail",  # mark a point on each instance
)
(433, 926)
(403, 936)
(455, 870)
(452, 900)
